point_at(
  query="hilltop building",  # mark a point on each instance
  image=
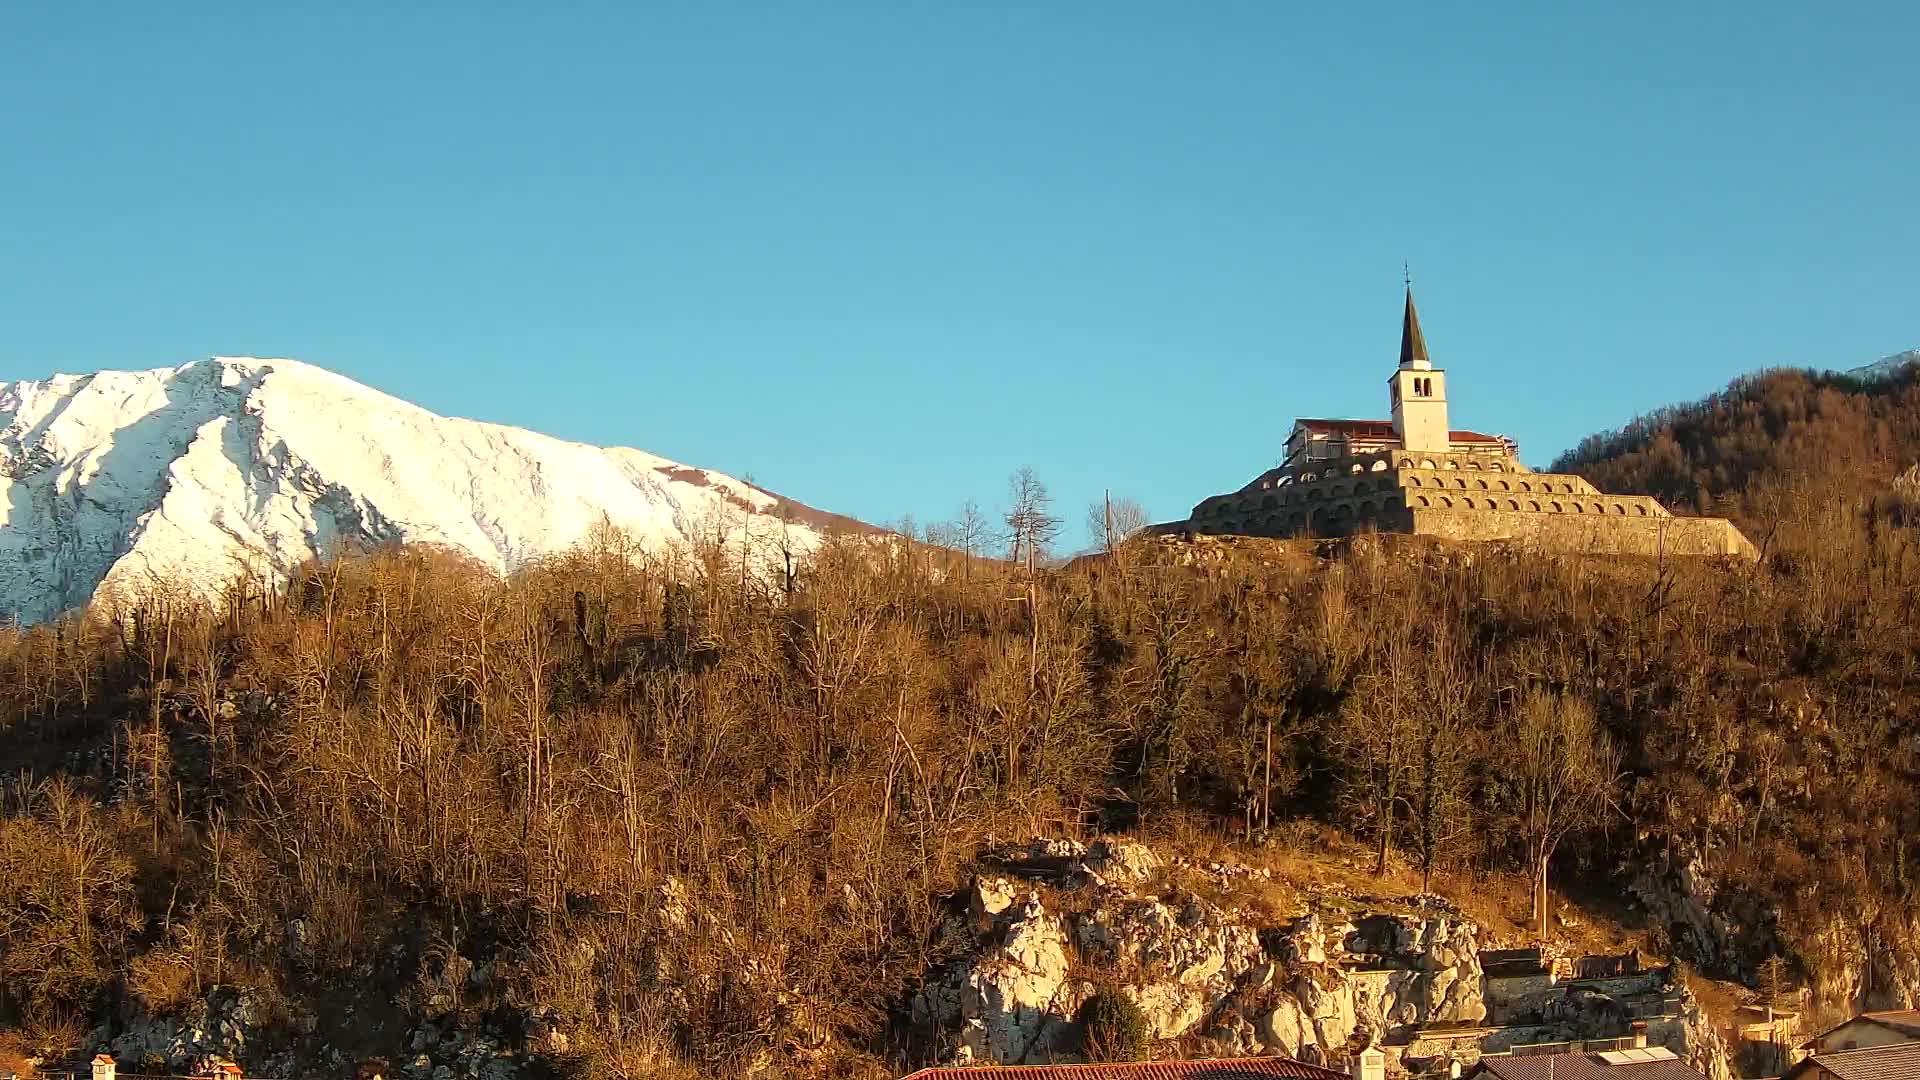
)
(1414, 473)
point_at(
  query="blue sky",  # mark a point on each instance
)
(880, 255)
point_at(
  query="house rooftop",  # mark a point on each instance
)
(1907, 1020)
(1645, 1063)
(1223, 1069)
(1904, 1021)
(1896, 1061)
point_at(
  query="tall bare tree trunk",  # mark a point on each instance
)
(1540, 856)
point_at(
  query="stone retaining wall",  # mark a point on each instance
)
(1589, 533)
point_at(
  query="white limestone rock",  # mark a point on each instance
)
(1120, 862)
(1286, 1029)
(992, 896)
(1194, 945)
(1012, 1003)
(1170, 1008)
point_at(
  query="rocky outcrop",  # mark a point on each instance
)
(1865, 967)
(1854, 961)
(1681, 896)
(1431, 969)
(1699, 1044)
(222, 1026)
(1054, 922)
(1197, 970)
(247, 1028)
(1014, 1001)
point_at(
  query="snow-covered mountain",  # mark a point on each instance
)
(1886, 367)
(190, 474)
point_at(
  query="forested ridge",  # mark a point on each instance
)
(1778, 445)
(703, 811)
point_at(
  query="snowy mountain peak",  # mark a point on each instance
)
(189, 475)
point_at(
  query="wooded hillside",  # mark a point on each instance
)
(700, 813)
(1774, 449)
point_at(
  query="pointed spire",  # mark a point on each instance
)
(1413, 347)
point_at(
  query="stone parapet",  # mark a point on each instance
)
(1592, 533)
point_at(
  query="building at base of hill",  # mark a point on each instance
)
(1226, 1069)
(1898, 1061)
(1416, 474)
(1644, 1063)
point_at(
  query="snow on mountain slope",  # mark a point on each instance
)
(1886, 367)
(190, 474)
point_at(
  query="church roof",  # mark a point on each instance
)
(1379, 429)
(1413, 346)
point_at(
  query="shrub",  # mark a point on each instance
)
(1113, 1028)
(161, 979)
(52, 1033)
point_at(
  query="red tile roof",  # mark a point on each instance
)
(1224, 1069)
(1380, 429)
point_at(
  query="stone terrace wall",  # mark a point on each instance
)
(1459, 497)
(1589, 532)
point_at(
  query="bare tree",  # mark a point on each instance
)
(1559, 776)
(1031, 524)
(788, 551)
(1113, 521)
(1442, 803)
(1168, 682)
(1378, 739)
(1263, 675)
(969, 533)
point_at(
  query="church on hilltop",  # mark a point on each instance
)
(1417, 474)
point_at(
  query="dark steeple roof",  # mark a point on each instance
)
(1413, 347)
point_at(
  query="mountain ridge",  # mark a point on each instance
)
(1886, 366)
(118, 479)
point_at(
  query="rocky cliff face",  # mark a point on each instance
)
(1060, 922)
(1860, 962)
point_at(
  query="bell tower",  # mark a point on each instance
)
(1419, 391)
